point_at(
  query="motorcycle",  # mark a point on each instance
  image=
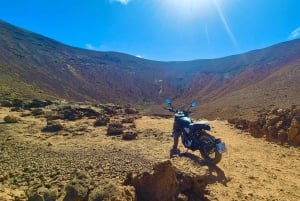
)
(194, 135)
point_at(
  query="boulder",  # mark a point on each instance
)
(294, 131)
(255, 127)
(37, 111)
(296, 112)
(272, 119)
(232, 121)
(130, 111)
(16, 109)
(110, 109)
(282, 136)
(71, 114)
(53, 116)
(115, 128)
(88, 112)
(42, 194)
(165, 183)
(241, 124)
(78, 188)
(101, 121)
(274, 111)
(159, 185)
(128, 120)
(192, 184)
(53, 126)
(17, 103)
(110, 191)
(279, 125)
(129, 135)
(272, 133)
(11, 119)
(36, 103)
(6, 103)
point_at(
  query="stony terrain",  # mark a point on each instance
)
(42, 162)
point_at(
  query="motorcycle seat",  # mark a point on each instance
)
(201, 125)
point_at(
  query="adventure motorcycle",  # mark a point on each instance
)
(194, 135)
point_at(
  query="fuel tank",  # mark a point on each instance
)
(183, 122)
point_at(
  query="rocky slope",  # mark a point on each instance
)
(277, 90)
(32, 65)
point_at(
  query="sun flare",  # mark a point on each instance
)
(187, 9)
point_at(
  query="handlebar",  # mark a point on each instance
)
(185, 112)
(171, 109)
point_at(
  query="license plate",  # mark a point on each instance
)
(221, 147)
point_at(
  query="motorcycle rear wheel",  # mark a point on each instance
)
(209, 151)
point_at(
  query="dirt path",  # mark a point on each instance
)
(253, 169)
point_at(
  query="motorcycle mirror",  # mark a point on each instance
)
(168, 102)
(194, 104)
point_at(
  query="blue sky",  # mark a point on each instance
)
(166, 30)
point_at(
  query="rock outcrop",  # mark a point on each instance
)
(129, 135)
(42, 194)
(78, 189)
(279, 125)
(115, 128)
(53, 126)
(101, 121)
(293, 133)
(111, 191)
(166, 183)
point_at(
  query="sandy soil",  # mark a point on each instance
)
(255, 169)
(252, 169)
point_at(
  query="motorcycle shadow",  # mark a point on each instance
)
(216, 174)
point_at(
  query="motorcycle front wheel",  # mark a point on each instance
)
(208, 149)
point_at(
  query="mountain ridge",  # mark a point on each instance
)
(46, 68)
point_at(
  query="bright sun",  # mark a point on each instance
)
(187, 9)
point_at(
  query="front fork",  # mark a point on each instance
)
(176, 136)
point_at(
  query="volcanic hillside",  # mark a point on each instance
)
(33, 66)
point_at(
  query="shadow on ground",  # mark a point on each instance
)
(216, 174)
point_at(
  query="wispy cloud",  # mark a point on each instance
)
(125, 2)
(90, 46)
(295, 34)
